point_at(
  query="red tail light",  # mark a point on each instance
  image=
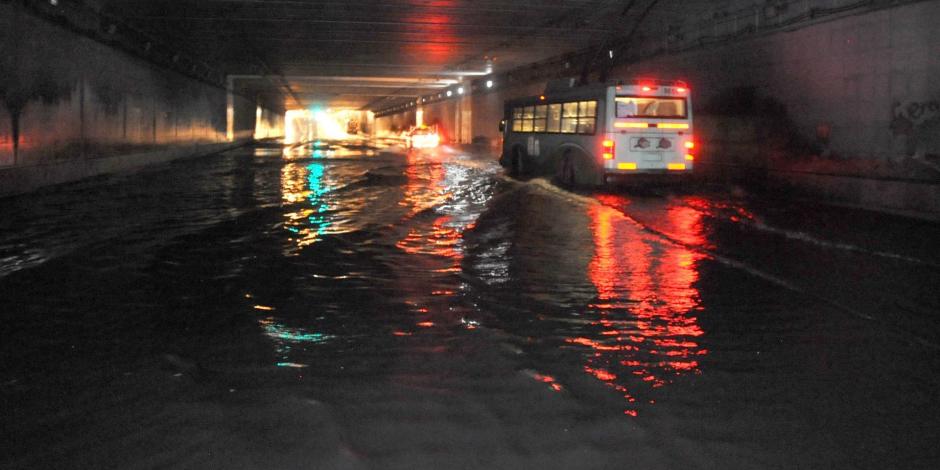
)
(609, 149)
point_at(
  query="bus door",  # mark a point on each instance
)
(651, 131)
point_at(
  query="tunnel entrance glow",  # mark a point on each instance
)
(297, 127)
(302, 125)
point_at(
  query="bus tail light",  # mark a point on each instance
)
(690, 157)
(631, 125)
(690, 145)
(608, 149)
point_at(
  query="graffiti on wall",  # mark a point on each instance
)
(919, 123)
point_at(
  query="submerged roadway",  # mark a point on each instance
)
(357, 306)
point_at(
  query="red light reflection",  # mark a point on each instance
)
(646, 301)
(434, 239)
(442, 45)
(424, 191)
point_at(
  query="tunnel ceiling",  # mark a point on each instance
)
(374, 53)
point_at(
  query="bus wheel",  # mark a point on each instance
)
(518, 162)
(566, 175)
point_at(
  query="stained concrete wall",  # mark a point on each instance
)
(484, 128)
(871, 79)
(487, 108)
(270, 125)
(859, 95)
(861, 123)
(395, 123)
(443, 114)
(471, 118)
(71, 107)
(860, 76)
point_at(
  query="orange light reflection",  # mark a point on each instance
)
(435, 236)
(646, 303)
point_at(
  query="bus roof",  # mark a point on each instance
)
(592, 91)
(566, 89)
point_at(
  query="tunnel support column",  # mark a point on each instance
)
(230, 108)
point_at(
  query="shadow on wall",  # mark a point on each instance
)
(19, 87)
(747, 136)
(744, 109)
(743, 134)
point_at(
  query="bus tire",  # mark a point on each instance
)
(566, 175)
(518, 165)
(578, 170)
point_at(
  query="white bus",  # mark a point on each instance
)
(593, 134)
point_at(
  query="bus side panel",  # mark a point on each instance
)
(543, 150)
(507, 136)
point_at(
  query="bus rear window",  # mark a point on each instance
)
(647, 107)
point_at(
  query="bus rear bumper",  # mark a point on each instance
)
(646, 176)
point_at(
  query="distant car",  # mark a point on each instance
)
(423, 138)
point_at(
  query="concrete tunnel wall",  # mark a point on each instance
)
(869, 79)
(463, 119)
(72, 107)
(857, 75)
(860, 93)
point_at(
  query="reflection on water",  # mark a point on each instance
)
(303, 186)
(644, 316)
(429, 190)
(642, 330)
(440, 206)
(286, 338)
(307, 188)
(341, 270)
(311, 210)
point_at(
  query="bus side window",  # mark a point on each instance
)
(554, 118)
(587, 117)
(569, 118)
(540, 116)
(527, 116)
(517, 120)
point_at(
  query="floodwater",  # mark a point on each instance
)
(352, 307)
